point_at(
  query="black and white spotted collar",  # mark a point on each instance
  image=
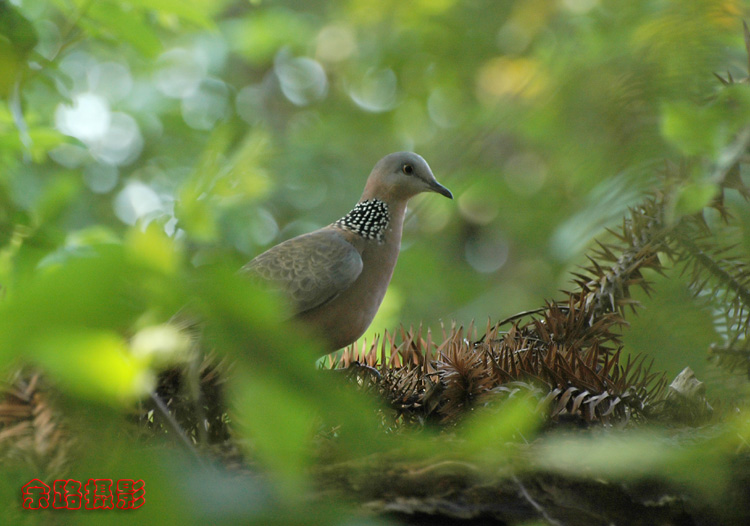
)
(368, 218)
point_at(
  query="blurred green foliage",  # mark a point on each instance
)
(149, 148)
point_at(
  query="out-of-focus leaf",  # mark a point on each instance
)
(694, 196)
(153, 249)
(490, 433)
(17, 28)
(91, 363)
(674, 330)
(259, 37)
(112, 19)
(633, 455)
(706, 129)
(100, 289)
(10, 64)
(197, 218)
(279, 421)
(196, 11)
(695, 130)
(57, 197)
(193, 207)
(279, 390)
(161, 345)
(230, 181)
(605, 205)
(43, 139)
(17, 38)
(243, 176)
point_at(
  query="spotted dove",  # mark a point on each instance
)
(335, 277)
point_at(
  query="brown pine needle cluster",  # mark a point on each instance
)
(32, 432)
(441, 383)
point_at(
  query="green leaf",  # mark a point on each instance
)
(279, 392)
(196, 11)
(490, 433)
(222, 178)
(57, 196)
(153, 248)
(17, 29)
(695, 130)
(10, 65)
(243, 177)
(112, 20)
(706, 129)
(694, 197)
(635, 454)
(91, 363)
(279, 421)
(259, 37)
(97, 287)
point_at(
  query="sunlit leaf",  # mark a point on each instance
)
(196, 11)
(94, 364)
(98, 289)
(152, 247)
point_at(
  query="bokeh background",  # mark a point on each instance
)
(198, 133)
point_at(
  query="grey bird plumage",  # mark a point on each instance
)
(335, 277)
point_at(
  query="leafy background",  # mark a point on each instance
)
(149, 149)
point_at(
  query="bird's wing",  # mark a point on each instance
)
(311, 269)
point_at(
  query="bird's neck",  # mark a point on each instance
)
(374, 219)
(369, 218)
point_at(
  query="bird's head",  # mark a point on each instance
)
(400, 176)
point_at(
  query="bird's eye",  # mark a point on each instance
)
(408, 169)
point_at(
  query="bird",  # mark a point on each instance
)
(335, 277)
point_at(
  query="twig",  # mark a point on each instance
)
(176, 427)
(535, 504)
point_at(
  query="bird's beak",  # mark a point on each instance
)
(439, 188)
